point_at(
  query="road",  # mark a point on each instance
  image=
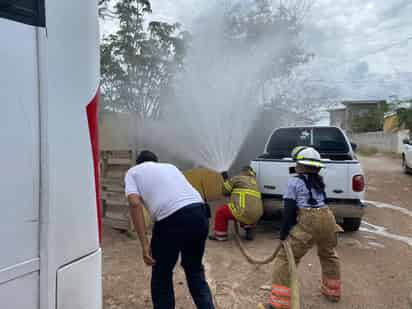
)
(376, 261)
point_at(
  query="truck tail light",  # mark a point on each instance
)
(358, 183)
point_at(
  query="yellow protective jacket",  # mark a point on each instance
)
(245, 198)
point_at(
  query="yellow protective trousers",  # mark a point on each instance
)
(246, 205)
(316, 226)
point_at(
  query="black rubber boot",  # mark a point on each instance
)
(249, 233)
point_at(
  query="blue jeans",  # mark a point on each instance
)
(183, 232)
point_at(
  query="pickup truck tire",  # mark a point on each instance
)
(351, 224)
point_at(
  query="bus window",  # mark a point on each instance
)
(29, 12)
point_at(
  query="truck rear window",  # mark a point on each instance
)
(330, 142)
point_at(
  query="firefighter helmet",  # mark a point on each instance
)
(307, 156)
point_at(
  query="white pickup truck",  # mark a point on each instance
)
(343, 173)
(407, 156)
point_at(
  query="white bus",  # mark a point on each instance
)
(50, 253)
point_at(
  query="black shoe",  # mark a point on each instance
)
(250, 234)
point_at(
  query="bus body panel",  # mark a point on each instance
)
(21, 293)
(69, 82)
(72, 76)
(78, 286)
(19, 166)
(49, 77)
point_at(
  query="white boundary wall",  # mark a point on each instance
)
(387, 142)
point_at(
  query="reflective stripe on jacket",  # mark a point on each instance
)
(245, 198)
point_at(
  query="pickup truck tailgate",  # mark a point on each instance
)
(338, 181)
(273, 177)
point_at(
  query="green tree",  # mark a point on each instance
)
(139, 62)
(104, 10)
(371, 122)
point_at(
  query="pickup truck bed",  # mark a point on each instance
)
(343, 177)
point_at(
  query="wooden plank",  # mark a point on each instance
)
(113, 188)
(114, 165)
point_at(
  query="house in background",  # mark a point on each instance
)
(366, 109)
(347, 116)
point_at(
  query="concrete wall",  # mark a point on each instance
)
(386, 142)
(118, 131)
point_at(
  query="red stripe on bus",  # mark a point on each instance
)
(92, 118)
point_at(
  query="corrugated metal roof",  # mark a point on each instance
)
(336, 109)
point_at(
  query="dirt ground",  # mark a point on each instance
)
(376, 261)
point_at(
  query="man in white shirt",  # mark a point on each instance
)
(181, 226)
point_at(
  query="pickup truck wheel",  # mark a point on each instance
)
(351, 224)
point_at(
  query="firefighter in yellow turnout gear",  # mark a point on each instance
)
(245, 204)
(307, 221)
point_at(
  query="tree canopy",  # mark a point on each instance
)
(404, 115)
(139, 60)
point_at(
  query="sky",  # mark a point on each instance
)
(378, 32)
(363, 48)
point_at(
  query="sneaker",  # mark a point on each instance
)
(217, 238)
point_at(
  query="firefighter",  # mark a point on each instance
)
(245, 204)
(307, 221)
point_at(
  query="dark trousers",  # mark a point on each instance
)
(183, 232)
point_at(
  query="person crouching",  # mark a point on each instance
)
(245, 204)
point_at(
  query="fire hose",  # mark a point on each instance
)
(295, 304)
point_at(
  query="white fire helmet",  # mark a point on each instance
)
(307, 156)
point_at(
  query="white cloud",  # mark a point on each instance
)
(343, 30)
(364, 30)
(343, 35)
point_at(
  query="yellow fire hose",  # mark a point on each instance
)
(291, 265)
